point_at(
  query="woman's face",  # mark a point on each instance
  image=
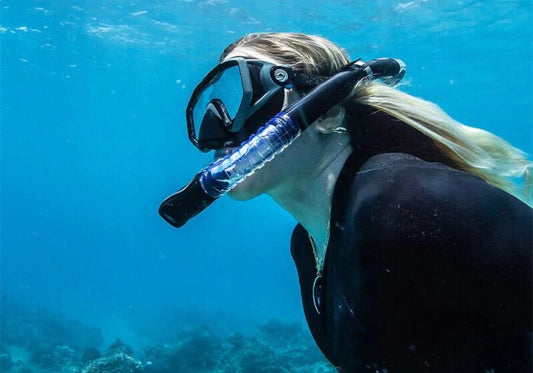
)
(272, 174)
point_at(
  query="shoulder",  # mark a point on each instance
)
(441, 230)
(401, 196)
(402, 177)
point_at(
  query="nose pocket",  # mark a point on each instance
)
(213, 133)
(217, 107)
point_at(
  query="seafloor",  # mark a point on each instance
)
(43, 342)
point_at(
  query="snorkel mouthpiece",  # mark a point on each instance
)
(225, 173)
(279, 132)
(185, 204)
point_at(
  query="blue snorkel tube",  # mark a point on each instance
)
(279, 132)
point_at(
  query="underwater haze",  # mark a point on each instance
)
(93, 138)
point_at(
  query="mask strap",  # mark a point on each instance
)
(288, 78)
(306, 82)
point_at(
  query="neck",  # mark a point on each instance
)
(308, 193)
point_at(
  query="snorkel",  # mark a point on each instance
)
(279, 132)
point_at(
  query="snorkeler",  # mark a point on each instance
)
(413, 249)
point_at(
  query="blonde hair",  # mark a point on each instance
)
(470, 149)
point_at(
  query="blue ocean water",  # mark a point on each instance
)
(93, 138)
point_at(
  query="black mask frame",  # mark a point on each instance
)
(247, 107)
(261, 99)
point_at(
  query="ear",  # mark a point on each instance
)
(331, 120)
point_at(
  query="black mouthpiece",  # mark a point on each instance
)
(185, 204)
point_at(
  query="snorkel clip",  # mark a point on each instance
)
(282, 75)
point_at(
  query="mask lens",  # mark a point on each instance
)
(225, 87)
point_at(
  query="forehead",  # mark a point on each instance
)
(250, 53)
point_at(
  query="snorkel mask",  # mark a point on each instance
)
(237, 97)
(238, 104)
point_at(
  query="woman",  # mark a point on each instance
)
(413, 249)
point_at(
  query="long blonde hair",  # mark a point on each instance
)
(470, 149)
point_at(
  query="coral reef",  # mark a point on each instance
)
(25, 327)
(5, 360)
(115, 363)
(197, 350)
(277, 348)
(35, 342)
(53, 357)
(90, 354)
(119, 347)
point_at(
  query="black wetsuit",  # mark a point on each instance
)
(428, 269)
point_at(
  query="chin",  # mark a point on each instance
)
(239, 195)
(242, 192)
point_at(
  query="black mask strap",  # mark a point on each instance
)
(306, 82)
(300, 81)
